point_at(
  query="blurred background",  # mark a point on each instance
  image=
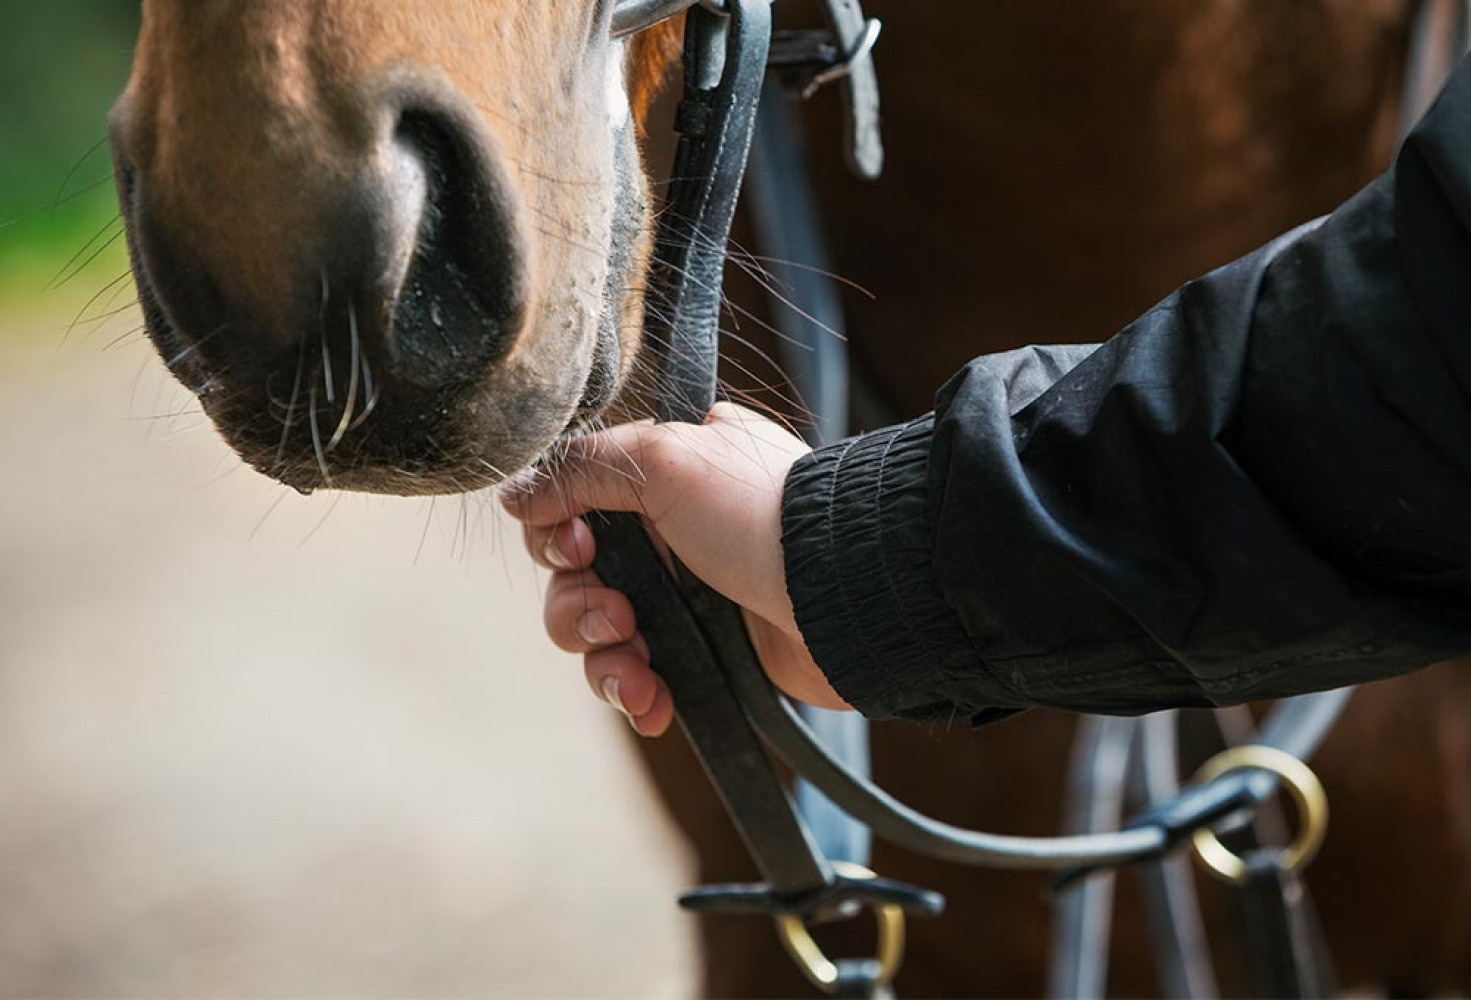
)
(253, 744)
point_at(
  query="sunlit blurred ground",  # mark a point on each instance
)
(309, 749)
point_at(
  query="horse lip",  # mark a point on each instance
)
(181, 359)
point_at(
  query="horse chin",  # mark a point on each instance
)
(415, 441)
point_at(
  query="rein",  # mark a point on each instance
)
(697, 640)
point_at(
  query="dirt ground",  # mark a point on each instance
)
(257, 745)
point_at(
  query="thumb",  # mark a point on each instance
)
(622, 468)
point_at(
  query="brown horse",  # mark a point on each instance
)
(400, 248)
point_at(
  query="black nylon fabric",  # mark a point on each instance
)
(1261, 487)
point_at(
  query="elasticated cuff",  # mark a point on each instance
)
(857, 543)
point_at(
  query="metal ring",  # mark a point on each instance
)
(817, 967)
(1302, 784)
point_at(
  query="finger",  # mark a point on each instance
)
(604, 471)
(726, 412)
(566, 546)
(581, 615)
(656, 721)
(621, 677)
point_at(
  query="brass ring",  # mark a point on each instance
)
(817, 967)
(1301, 783)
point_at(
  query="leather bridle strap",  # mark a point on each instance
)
(693, 633)
(725, 59)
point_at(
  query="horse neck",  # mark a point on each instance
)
(1055, 167)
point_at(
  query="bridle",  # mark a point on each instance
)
(807, 60)
(697, 639)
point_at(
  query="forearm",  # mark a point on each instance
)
(1261, 487)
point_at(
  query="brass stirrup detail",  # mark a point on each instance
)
(817, 967)
(1301, 783)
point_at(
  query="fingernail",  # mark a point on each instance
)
(610, 693)
(553, 555)
(595, 629)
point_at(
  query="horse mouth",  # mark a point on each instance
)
(398, 440)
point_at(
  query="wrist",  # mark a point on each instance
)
(858, 546)
(790, 666)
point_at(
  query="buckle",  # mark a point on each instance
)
(807, 61)
(853, 889)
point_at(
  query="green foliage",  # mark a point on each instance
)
(62, 63)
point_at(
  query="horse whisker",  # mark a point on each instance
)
(317, 436)
(371, 389)
(68, 272)
(354, 366)
(289, 422)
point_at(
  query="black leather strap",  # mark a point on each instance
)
(1280, 931)
(697, 639)
(805, 60)
(865, 146)
(687, 627)
(806, 306)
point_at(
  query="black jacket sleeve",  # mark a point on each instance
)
(1261, 487)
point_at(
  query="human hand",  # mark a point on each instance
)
(712, 495)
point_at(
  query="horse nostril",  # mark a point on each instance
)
(369, 239)
(411, 260)
(463, 297)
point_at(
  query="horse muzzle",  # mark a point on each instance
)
(344, 297)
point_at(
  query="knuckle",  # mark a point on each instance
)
(668, 458)
(723, 410)
(662, 452)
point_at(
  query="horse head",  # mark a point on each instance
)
(392, 247)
